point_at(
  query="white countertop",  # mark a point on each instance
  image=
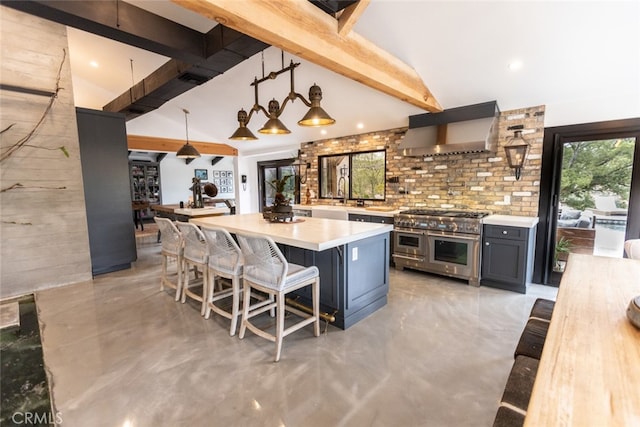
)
(511, 220)
(351, 209)
(316, 234)
(202, 211)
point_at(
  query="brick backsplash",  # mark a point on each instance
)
(473, 181)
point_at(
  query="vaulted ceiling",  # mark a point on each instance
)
(581, 59)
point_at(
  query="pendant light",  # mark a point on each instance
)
(316, 116)
(187, 151)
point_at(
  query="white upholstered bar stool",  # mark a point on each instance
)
(225, 260)
(171, 249)
(195, 259)
(267, 270)
(632, 248)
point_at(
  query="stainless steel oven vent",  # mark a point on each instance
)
(468, 129)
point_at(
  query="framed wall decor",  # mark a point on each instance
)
(223, 180)
(202, 174)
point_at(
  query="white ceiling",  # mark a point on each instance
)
(579, 58)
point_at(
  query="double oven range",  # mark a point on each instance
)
(439, 241)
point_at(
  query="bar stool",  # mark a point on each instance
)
(196, 257)
(267, 270)
(172, 247)
(225, 260)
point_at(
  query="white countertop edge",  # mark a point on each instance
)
(511, 220)
(296, 242)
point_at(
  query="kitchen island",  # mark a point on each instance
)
(353, 258)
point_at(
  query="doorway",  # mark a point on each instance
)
(589, 193)
(276, 170)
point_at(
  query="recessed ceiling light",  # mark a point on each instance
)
(515, 65)
(360, 126)
(94, 64)
(323, 131)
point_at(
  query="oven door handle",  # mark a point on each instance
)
(399, 230)
(455, 236)
(410, 258)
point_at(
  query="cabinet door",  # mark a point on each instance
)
(330, 265)
(504, 260)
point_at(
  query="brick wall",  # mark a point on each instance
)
(474, 181)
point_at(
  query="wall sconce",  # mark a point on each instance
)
(316, 116)
(187, 151)
(516, 151)
(243, 180)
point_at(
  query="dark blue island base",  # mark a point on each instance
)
(354, 277)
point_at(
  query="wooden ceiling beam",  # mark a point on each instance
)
(350, 15)
(302, 29)
(121, 21)
(167, 145)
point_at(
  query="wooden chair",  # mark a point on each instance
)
(172, 248)
(195, 259)
(267, 270)
(225, 260)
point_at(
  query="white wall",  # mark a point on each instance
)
(247, 201)
(176, 175)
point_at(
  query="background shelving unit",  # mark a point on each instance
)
(145, 184)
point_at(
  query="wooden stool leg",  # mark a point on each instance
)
(279, 324)
(315, 295)
(235, 307)
(246, 296)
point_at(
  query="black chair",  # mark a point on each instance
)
(542, 309)
(532, 339)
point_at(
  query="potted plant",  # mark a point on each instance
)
(561, 253)
(281, 211)
(280, 200)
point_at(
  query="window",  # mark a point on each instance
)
(277, 169)
(353, 175)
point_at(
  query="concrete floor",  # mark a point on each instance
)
(122, 353)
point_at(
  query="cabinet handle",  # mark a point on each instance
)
(486, 243)
(504, 231)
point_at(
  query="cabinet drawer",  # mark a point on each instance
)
(381, 219)
(358, 217)
(504, 232)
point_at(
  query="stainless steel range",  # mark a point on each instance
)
(439, 241)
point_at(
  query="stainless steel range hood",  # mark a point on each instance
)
(468, 129)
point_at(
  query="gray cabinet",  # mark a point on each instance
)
(507, 257)
(354, 278)
(371, 218)
(380, 220)
(105, 175)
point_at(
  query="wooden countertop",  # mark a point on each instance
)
(589, 373)
(316, 234)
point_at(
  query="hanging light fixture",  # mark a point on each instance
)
(516, 151)
(316, 116)
(187, 151)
